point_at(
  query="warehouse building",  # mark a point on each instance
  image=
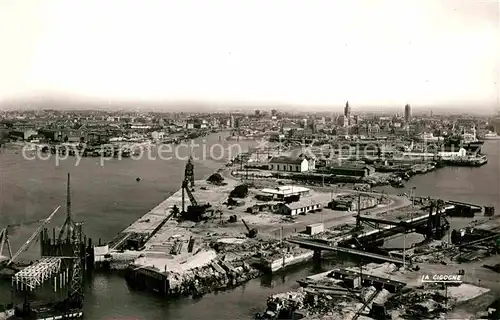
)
(289, 164)
(299, 207)
(361, 172)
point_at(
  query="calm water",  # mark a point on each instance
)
(109, 198)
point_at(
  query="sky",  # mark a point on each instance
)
(310, 52)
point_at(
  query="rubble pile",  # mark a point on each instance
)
(318, 304)
(214, 277)
(428, 304)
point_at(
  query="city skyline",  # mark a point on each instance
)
(377, 54)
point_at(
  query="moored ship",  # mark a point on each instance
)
(491, 136)
(468, 141)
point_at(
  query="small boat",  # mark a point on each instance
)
(137, 179)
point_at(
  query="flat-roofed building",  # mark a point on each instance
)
(282, 192)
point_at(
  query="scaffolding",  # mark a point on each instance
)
(34, 276)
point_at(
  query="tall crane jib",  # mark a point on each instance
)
(4, 241)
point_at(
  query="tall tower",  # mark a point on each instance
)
(407, 113)
(347, 114)
(347, 110)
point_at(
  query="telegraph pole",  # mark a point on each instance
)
(404, 249)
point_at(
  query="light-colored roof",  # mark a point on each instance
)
(286, 160)
(301, 204)
(284, 190)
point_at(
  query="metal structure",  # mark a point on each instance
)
(318, 247)
(35, 275)
(252, 232)
(76, 285)
(189, 172)
(64, 258)
(432, 225)
(195, 211)
(4, 241)
(66, 231)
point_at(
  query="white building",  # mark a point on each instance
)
(294, 208)
(282, 192)
(289, 164)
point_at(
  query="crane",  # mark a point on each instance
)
(5, 240)
(195, 211)
(252, 232)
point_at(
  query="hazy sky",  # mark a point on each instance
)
(288, 51)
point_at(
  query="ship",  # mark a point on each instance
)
(491, 136)
(55, 311)
(468, 141)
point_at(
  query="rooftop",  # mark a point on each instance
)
(285, 190)
(301, 204)
(287, 160)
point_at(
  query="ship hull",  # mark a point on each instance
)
(48, 315)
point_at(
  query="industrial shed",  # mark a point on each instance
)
(299, 207)
(351, 171)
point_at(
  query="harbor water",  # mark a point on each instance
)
(108, 198)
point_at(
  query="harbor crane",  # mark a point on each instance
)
(252, 232)
(7, 262)
(194, 212)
